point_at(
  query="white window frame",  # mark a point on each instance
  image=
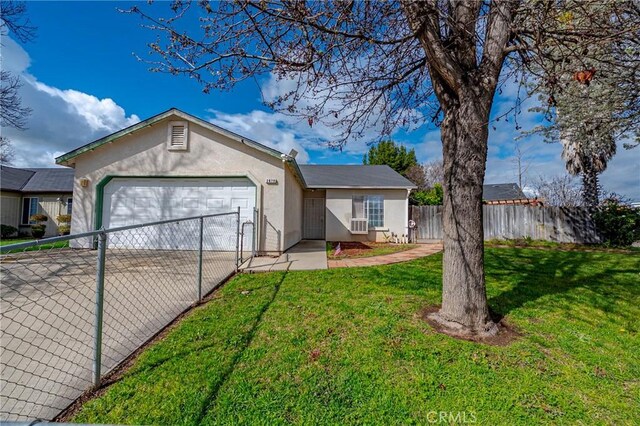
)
(30, 213)
(69, 204)
(365, 207)
(185, 145)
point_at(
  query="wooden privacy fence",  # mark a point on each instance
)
(561, 224)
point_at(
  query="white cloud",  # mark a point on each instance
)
(61, 119)
(267, 128)
(283, 132)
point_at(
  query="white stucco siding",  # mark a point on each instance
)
(339, 211)
(293, 208)
(144, 153)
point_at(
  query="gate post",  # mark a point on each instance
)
(254, 245)
(200, 241)
(99, 309)
(238, 239)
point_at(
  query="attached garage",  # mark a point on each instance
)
(174, 165)
(136, 200)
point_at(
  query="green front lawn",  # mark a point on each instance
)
(346, 346)
(9, 241)
(551, 245)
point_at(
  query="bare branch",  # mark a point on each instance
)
(12, 113)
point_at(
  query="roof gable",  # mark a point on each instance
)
(65, 159)
(353, 176)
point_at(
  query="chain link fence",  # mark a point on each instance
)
(69, 315)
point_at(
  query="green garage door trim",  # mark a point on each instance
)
(99, 202)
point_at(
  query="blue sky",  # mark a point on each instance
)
(82, 82)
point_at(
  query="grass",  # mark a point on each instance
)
(354, 250)
(347, 346)
(528, 242)
(9, 241)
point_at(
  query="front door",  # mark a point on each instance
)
(313, 227)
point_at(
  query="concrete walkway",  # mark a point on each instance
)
(422, 250)
(304, 256)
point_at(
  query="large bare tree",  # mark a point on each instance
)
(353, 64)
(12, 112)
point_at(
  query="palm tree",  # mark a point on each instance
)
(586, 152)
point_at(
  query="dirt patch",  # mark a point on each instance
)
(506, 333)
(354, 249)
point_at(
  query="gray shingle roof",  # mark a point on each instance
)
(502, 191)
(36, 180)
(12, 179)
(326, 176)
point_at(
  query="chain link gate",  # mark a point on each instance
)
(71, 313)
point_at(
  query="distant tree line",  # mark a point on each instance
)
(427, 177)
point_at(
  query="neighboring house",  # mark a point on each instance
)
(26, 192)
(506, 193)
(175, 165)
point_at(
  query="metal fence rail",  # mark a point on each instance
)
(69, 315)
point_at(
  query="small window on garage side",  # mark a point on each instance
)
(178, 136)
(69, 205)
(29, 208)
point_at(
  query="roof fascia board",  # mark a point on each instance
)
(358, 187)
(296, 169)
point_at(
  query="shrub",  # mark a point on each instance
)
(37, 231)
(7, 231)
(432, 197)
(617, 222)
(64, 229)
(64, 218)
(39, 217)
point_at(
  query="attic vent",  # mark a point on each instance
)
(178, 136)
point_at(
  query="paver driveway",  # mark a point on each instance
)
(47, 311)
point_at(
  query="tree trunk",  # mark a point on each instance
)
(464, 133)
(590, 189)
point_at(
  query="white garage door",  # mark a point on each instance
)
(131, 201)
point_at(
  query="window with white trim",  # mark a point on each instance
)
(69, 205)
(30, 207)
(178, 136)
(369, 207)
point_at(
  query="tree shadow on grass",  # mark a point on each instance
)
(210, 400)
(536, 274)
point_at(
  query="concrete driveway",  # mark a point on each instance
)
(47, 316)
(304, 256)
